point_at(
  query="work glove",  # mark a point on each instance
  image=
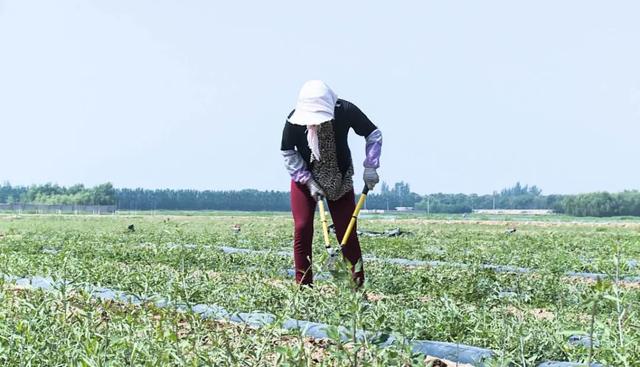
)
(370, 177)
(315, 190)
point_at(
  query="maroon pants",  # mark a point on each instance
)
(303, 208)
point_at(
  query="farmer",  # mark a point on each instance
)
(318, 159)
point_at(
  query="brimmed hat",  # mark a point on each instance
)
(316, 103)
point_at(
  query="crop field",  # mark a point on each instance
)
(170, 266)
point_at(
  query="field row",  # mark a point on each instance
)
(211, 277)
(556, 249)
(525, 318)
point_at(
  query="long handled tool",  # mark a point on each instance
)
(333, 252)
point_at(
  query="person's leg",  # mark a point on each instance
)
(341, 213)
(303, 209)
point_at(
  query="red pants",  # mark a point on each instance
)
(303, 208)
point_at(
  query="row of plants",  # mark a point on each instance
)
(525, 318)
(559, 248)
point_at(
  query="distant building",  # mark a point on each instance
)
(372, 211)
(404, 208)
(514, 211)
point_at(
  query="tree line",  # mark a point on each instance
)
(104, 194)
(599, 204)
(168, 199)
(603, 204)
(515, 197)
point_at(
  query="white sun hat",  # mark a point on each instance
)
(316, 103)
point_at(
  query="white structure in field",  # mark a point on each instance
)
(58, 208)
(514, 211)
(404, 208)
(372, 211)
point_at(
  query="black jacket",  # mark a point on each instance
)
(346, 115)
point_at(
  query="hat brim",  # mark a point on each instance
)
(300, 117)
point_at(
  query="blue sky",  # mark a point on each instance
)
(470, 96)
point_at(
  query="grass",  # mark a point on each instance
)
(525, 318)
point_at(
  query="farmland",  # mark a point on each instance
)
(525, 318)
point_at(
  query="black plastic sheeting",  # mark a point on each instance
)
(583, 341)
(454, 352)
(404, 262)
(574, 340)
(451, 351)
(435, 263)
(568, 364)
(396, 232)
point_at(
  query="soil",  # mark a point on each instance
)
(591, 281)
(537, 313)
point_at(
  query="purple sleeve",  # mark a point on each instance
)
(373, 149)
(295, 166)
(301, 176)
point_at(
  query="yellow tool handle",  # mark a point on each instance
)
(325, 226)
(354, 217)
